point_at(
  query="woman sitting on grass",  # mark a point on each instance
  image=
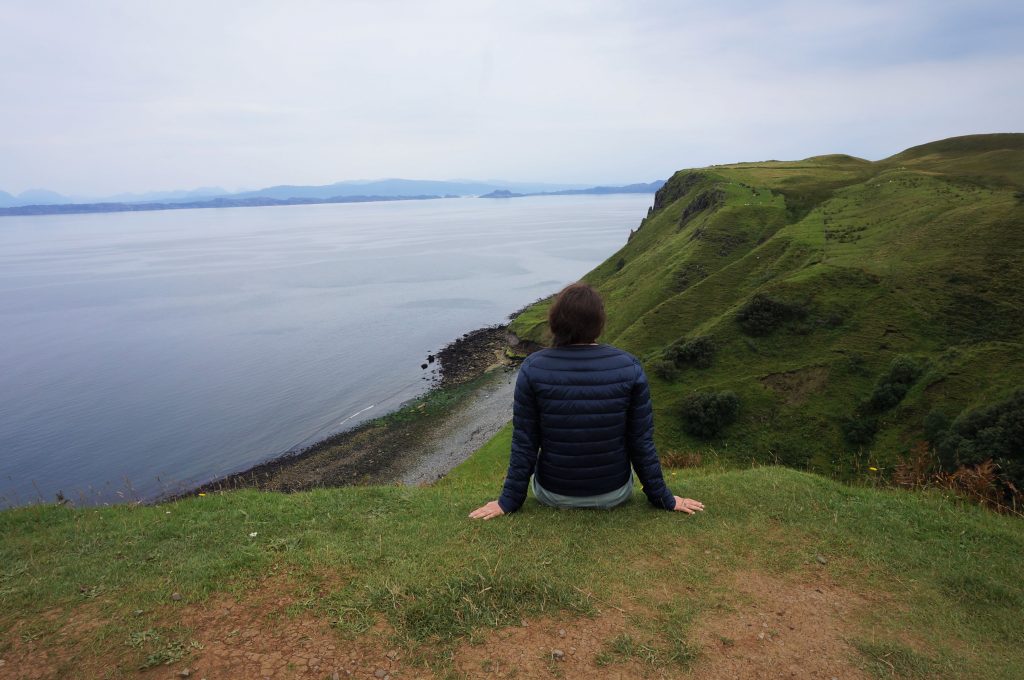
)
(586, 409)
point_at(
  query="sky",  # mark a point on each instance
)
(105, 97)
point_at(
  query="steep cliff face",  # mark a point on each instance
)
(918, 258)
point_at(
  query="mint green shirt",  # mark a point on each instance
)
(604, 501)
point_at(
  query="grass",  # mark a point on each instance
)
(411, 558)
(624, 648)
(894, 660)
(435, 402)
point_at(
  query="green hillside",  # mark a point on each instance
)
(808, 279)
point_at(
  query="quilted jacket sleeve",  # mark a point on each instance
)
(640, 444)
(525, 444)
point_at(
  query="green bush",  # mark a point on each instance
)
(698, 352)
(763, 314)
(666, 370)
(893, 386)
(991, 432)
(936, 425)
(705, 414)
(904, 369)
(857, 364)
(860, 429)
(887, 395)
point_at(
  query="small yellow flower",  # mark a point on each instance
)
(873, 469)
(202, 494)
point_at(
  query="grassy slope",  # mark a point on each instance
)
(944, 575)
(917, 254)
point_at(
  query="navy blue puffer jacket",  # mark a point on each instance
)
(581, 416)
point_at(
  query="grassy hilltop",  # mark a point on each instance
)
(796, 285)
(787, 574)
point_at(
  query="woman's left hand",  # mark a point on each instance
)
(688, 505)
(488, 511)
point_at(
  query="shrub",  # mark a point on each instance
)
(916, 470)
(981, 483)
(860, 429)
(856, 364)
(887, 395)
(666, 370)
(620, 263)
(698, 352)
(763, 314)
(936, 425)
(904, 369)
(993, 432)
(893, 386)
(705, 414)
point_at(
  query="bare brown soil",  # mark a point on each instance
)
(782, 629)
(264, 634)
(775, 628)
(778, 629)
(796, 386)
(547, 647)
(58, 644)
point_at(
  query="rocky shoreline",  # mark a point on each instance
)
(418, 443)
(468, 357)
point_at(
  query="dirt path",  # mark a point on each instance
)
(463, 431)
(798, 626)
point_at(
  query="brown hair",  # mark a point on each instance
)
(577, 315)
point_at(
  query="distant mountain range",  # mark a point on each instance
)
(47, 197)
(32, 197)
(45, 202)
(401, 188)
(392, 188)
(648, 188)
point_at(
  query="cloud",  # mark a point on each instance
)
(106, 97)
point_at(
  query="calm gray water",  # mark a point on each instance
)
(143, 352)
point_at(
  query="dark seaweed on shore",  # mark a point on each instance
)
(467, 357)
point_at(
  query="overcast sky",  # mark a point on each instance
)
(103, 97)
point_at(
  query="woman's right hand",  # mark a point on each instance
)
(688, 505)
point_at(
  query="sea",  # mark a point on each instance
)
(144, 353)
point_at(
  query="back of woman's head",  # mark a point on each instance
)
(577, 315)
